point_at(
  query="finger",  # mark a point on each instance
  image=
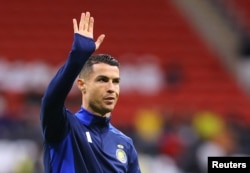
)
(75, 27)
(81, 24)
(91, 24)
(99, 41)
(86, 21)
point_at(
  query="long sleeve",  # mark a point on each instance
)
(53, 113)
(133, 162)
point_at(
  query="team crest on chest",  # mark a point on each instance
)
(120, 154)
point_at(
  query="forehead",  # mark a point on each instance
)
(105, 70)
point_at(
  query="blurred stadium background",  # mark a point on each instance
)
(185, 68)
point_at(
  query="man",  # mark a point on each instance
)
(85, 142)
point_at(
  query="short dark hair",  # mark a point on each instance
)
(96, 59)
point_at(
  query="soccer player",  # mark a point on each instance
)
(85, 142)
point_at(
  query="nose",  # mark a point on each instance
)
(110, 87)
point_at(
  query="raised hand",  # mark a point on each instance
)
(86, 28)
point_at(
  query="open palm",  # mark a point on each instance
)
(86, 28)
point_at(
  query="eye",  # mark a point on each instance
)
(116, 81)
(102, 79)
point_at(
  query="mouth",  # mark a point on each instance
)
(109, 100)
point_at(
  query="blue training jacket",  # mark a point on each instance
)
(81, 142)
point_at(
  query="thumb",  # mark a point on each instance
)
(99, 41)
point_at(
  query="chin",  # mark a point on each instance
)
(109, 108)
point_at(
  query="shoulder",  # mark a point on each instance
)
(71, 117)
(120, 134)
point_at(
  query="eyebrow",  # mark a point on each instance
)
(103, 76)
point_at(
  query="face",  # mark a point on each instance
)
(101, 89)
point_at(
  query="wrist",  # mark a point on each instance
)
(83, 44)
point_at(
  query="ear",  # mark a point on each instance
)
(81, 85)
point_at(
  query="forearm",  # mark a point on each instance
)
(62, 82)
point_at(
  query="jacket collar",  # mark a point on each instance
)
(88, 118)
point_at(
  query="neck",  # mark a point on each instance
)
(89, 109)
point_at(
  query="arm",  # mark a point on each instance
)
(134, 166)
(53, 112)
(133, 162)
